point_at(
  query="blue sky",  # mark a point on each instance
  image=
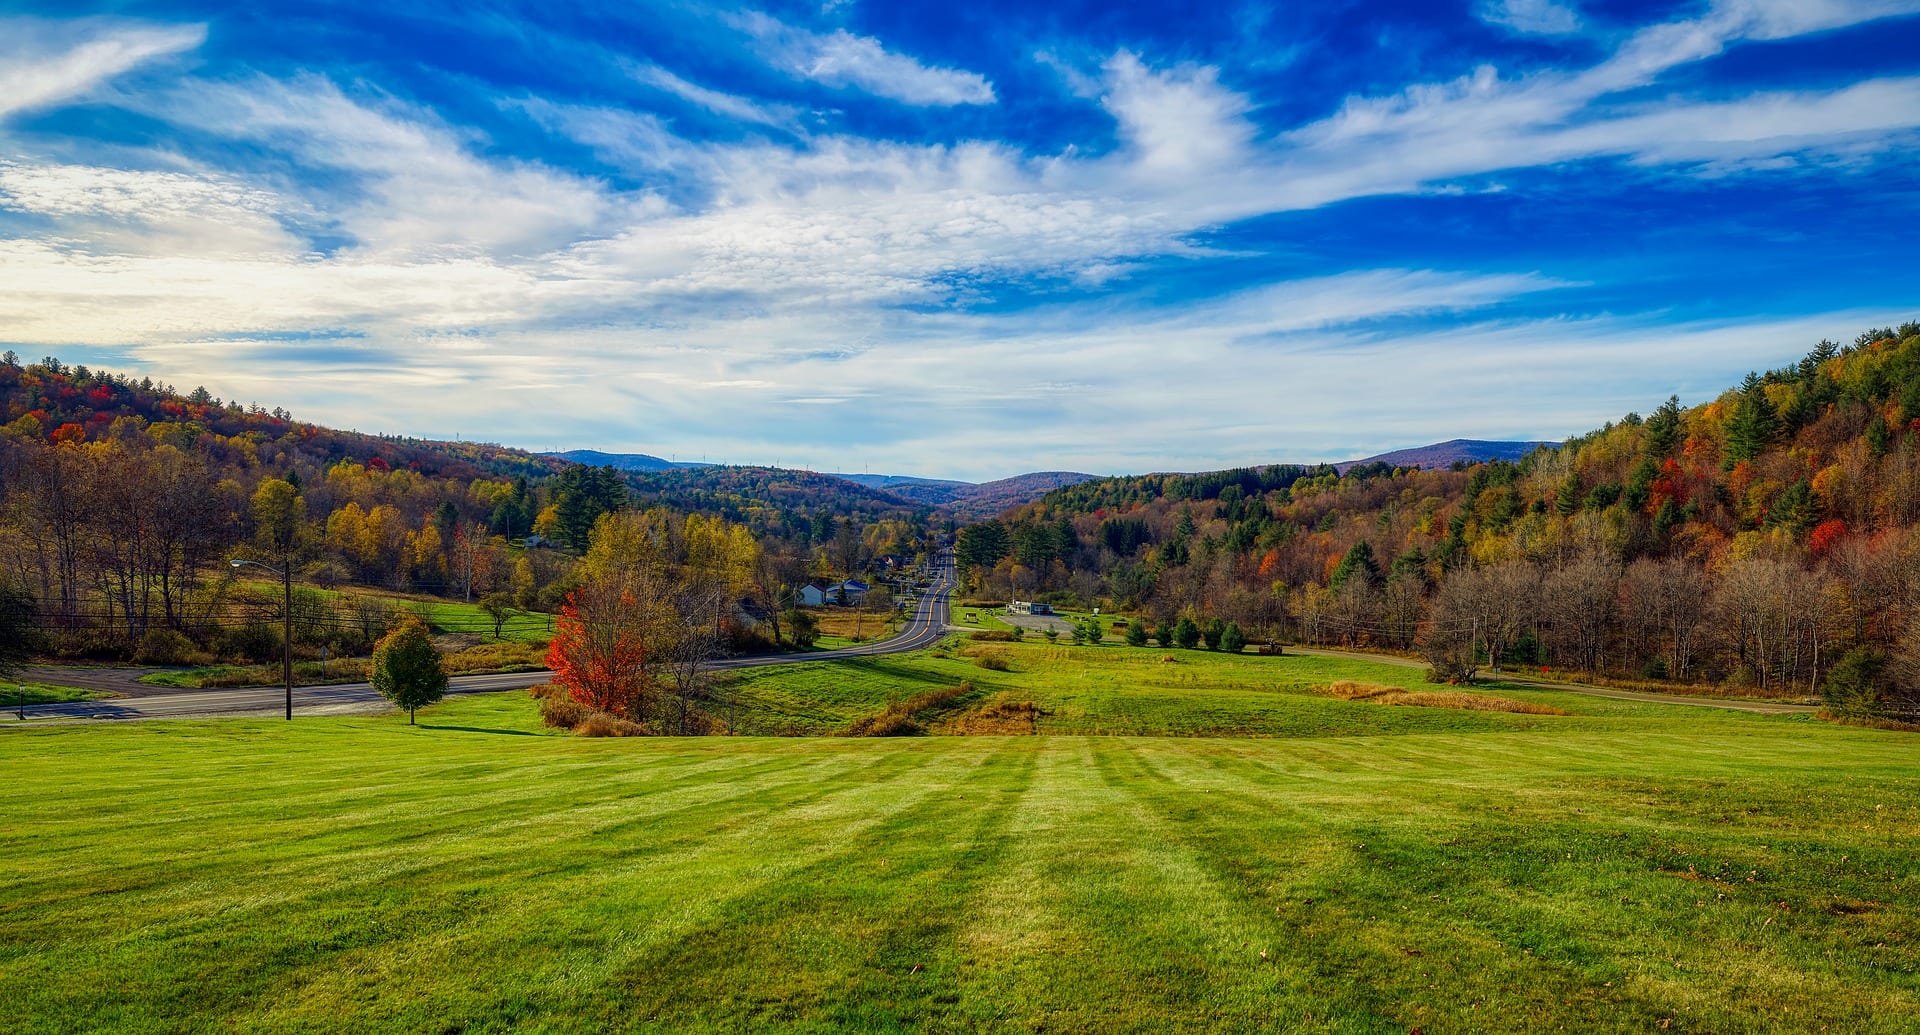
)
(957, 239)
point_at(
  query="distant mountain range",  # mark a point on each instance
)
(1448, 453)
(967, 500)
(971, 501)
(622, 461)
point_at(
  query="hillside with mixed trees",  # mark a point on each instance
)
(1768, 539)
(121, 501)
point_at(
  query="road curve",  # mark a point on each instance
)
(929, 624)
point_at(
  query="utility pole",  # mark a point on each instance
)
(286, 615)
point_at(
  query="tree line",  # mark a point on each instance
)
(1766, 539)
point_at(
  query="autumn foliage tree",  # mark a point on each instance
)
(407, 668)
(599, 653)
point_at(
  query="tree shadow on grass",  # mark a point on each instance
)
(480, 729)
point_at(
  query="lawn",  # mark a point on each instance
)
(1146, 691)
(12, 694)
(1352, 868)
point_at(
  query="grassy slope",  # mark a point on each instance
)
(1605, 871)
(1125, 690)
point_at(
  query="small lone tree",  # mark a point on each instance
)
(406, 666)
(499, 608)
(1136, 633)
(1163, 635)
(1092, 632)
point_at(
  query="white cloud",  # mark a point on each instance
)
(841, 59)
(1543, 17)
(420, 189)
(1177, 121)
(725, 104)
(44, 63)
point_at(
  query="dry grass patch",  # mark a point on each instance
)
(905, 718)
(1000, 717)
(1348, 690)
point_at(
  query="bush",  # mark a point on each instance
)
(993, 662)
(1856, 684)
(1655, 668)
(92, 644)
(600, 724)
(1163, 635)
(165, 647)
(801, 629)
(255, 641)
(563, 713)
(993, 636)
(1136, 633)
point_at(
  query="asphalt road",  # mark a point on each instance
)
(929, 624)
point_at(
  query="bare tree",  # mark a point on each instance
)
(1579, 601)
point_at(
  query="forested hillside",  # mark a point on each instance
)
(122, 500)
(1766, 539)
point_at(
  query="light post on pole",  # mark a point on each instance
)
(286, 615)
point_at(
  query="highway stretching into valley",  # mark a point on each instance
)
(928, 626)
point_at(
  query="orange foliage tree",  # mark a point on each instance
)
(599, 653)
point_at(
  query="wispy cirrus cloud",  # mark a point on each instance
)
(842, 59)
(732, 106)
(45, 62)
(1544, 17)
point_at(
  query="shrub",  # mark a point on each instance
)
(1163, 635)
(165, 647)
(563, 713)
(1855, 684)
(801, 629)
(1136, 633)
(255, 641)
(542, 691)
(993, 636)
(993, 662)
(600, 724)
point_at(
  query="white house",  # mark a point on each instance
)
(810, 595)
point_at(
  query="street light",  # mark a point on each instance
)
(286, 615)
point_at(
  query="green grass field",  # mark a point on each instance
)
(12, 694)
(1349, 867)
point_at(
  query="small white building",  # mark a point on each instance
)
(1028, 607)
(811, 595)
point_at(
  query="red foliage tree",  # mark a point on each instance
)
(1826, 535)
(599, 654)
